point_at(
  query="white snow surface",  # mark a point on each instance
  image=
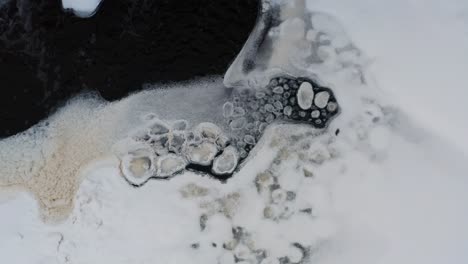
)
(386, 191)
(82, 8)
(417, 53)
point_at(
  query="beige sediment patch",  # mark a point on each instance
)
(47, 159)
(56, 183)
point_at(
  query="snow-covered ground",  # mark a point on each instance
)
(385, 183)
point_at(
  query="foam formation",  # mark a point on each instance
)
(163, 148)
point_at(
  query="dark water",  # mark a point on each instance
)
(48, 55)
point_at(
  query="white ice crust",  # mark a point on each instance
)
(82, 8)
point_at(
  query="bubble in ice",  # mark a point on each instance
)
(257, 116)
(315, 114)
(321, 99)
(305, 95)
(238, 123)
(278, 105)
(332, 106)
(138, 166)
(249, 139)
(202, 154)
(254, 105)
(226, 163)
(222, 141)
(278, 90)
(269, 108)
(250, 126)
(241, 144)
(292, 101)
(238, 111)
(287, 110)
(170, 164)
(208, 131)
(270, 118)
(260, 94)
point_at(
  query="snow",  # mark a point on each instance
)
(82, 8)
(390, 187)
(418, 55)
